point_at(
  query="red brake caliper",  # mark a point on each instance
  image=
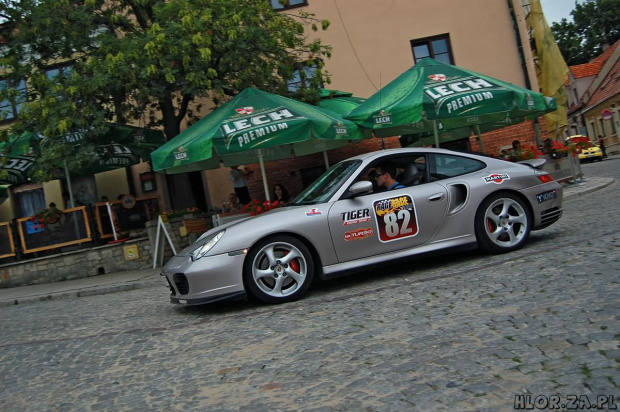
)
(294, 263)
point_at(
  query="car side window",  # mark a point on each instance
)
(446, 166)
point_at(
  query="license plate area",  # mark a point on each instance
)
(548, 195)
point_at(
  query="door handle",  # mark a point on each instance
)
(436, 197)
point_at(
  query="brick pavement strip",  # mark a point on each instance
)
(467, 333)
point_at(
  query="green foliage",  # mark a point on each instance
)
(147, 61)
(595, 24)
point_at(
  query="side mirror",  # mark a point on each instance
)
(363, 186)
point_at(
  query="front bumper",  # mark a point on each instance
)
(209, 279)
(590, 156)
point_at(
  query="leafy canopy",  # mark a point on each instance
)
(146, 62)
(595, 24)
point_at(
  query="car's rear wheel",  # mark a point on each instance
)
(503, 223)
(278, 269)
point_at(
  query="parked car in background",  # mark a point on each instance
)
(589, 151)
(344, 222)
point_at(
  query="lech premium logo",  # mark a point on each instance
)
(383, 118)
(253, 125)
(459, 94)
(181, 154)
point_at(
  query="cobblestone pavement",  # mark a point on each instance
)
(465, 331)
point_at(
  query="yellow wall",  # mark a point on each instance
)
(371, 38)
(112, 183)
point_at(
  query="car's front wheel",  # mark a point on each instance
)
(503, 223)
(278, 269)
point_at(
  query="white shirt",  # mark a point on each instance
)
(237, 176)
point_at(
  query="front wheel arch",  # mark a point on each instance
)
(316, 260)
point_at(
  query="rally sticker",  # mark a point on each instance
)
(314, 212)
(355, 216)
(358, 234)
(396, 218)
(496, 178)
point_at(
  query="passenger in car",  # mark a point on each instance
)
(385, 176)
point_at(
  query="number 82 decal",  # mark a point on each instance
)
(396, 218)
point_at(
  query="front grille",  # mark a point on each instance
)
(180, 281)
(549, 216)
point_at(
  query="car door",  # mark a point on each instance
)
(384, 222)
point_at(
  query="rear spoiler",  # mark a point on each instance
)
(535, 163)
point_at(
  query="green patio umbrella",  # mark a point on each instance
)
(341, 105)
(432, 91)
(120, 146)
(448, 135)
(254, 125)
(17, 155)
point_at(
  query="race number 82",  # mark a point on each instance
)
(396, 218)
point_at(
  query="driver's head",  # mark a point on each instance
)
(385, 174)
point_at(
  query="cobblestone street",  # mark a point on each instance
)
(458, 332)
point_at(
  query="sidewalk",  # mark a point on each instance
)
(95, 285)
(130, 280)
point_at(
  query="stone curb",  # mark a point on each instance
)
(89, 291)
(604, 183)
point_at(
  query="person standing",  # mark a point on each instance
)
(601, 144)
(240, 183)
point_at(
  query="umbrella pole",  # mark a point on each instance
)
(326, 159)
(262, 172)
(75, 224)
(436, 134)
(480, 138)
(68, 177)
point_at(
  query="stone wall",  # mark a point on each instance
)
(78, 264)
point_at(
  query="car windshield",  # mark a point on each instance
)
(322, 189)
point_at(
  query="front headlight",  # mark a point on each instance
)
(204, 249)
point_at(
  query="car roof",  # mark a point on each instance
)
(403, 150)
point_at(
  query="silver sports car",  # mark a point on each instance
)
(346, 221)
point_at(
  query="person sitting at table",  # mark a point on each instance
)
(233, 205)
(280, 194)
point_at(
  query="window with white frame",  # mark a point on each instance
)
(437, 47)
(289, 4)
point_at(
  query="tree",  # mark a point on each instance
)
(145, 61)
(595, 24)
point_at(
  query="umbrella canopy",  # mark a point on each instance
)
(121, 146)
(255, 125)
(253, 120)
(341, 105)
(433, 91)
(18, 154)
(448, 135)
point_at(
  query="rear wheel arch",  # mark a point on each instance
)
(498, 243)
